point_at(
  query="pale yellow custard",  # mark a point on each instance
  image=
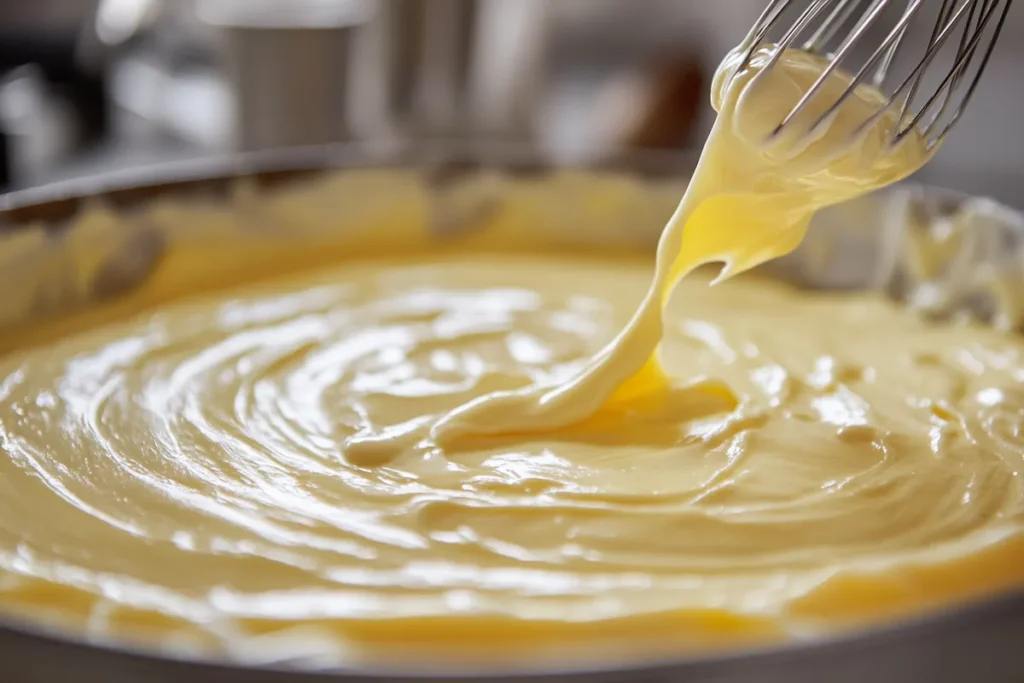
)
(469, 453)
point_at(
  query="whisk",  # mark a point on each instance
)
(837, 29)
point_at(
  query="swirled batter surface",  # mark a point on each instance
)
(819, 459)
(483, 454)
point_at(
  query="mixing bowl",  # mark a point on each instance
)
(336, 196)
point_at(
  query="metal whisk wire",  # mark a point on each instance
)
(976, 20)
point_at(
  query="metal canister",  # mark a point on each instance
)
(288, 67)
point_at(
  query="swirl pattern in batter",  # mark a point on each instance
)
(820, 459)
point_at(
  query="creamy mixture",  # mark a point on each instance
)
(464, 453)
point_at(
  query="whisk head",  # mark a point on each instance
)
(865, 37)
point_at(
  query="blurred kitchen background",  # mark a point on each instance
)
(89, 86)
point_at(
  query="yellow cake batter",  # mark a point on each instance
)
(747, 203)
(460, 453)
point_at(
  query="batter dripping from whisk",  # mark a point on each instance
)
(747, 203)
(829, 139)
